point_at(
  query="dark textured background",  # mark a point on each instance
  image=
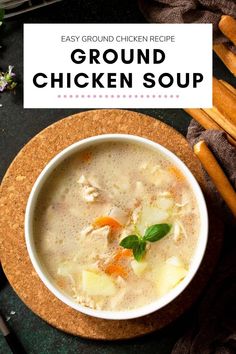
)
(18, 126)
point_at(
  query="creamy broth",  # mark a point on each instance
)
(95, 199)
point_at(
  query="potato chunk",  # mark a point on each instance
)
(70, 270)
(168, 276)
(175, 261)
(97, 284)
(165, 203)
(151, 215)
(138, 267)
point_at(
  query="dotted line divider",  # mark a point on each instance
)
(118, 96)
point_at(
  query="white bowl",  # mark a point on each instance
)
(197, 257)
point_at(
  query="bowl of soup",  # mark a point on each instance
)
(116, 226)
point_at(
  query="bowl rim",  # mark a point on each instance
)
(199, 250)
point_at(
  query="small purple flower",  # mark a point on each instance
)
(3, 84)
(10, 72)
(7, 81)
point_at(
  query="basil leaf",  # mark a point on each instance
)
(156, 232)
(139, 250)
(130, 241)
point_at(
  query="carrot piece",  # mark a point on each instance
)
(116, 270)
(86, 156)
(123, 253)
(176, 172)
(61, 282)
(106, 220)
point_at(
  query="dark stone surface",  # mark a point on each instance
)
(18, 126)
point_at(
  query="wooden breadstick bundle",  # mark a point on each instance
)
(222, 116)
(217, 175)
(222, 121)
(203, 117)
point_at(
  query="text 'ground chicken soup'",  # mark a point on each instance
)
(116, 226)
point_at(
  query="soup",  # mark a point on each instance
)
(116, 226)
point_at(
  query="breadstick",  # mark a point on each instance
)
(202, 118)
(227, 56)
(217, 175)
(206, 122)
(224, 100)
(221, 120)
(229, 87)
(227, 25)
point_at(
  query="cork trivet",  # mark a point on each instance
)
(15, 190)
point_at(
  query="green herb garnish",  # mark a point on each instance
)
(138, 243)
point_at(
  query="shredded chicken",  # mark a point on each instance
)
(164, 194)
(83, 180)
(139, 189)
(86, 231)
(90, 194)
(155, 169)
(180, 205)
(135, 215)
(96, 237)
(179, 231)
(118, 214)
(116, 300)
(87, 301)
(143, 165)
(89, 191)
(120, 281)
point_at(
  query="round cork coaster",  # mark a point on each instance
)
(15, 190)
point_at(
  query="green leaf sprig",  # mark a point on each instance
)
(138, 243)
